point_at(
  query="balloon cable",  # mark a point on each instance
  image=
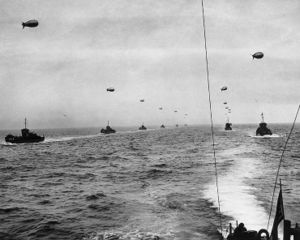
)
(280, 161)
(211, 115)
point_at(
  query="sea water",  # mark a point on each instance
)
(158, 184)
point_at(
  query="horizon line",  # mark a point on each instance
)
(136, 126)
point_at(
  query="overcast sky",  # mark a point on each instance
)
(57, 74)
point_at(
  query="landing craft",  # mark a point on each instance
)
(225, 103)
(224, 88)
(142, 100)
(160, 108)
(258, 55)
(27, 136)
(226, 107)
(110, 89)
(175, 111)
(30, 23)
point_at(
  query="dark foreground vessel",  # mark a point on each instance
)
(142, 127)
(27, 136)
(289, 232)
(262, 130)
(107, 130)
(228, 126)
(162, 126)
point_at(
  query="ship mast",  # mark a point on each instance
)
(25, 122)
(262, 117)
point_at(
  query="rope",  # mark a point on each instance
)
(211, 115)
(281, 157)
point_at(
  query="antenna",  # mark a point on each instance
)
(262, 117)
(25, 122)
(280, 183)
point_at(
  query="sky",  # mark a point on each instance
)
(56, 75)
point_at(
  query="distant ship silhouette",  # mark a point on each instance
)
(142, 127)
(262, 130)
(108, 129)
(228, 126)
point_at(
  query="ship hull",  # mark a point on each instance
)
(23, 140)
(228, 126)
(262, 130)
(107, 131)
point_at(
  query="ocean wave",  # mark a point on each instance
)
(142, 185)
(172, 204)
(156, 173)
(160, 165)
(95, 196)
(9, 210)
(134, 235)
(99, 208)
(45, 202)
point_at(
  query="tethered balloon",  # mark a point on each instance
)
(110, 89)
(30, 23)
(258, 55)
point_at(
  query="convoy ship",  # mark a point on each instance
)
(262, 130)
(27, 136)
(108, 129)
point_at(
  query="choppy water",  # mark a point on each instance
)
(156, 184)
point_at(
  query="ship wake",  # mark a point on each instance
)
(236, 196)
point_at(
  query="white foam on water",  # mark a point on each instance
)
(236, 196)
(235, 151)
(228, 131)
(266, 136)
(68, 138)
(253, 135)
(8, 144)
(137, 131)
